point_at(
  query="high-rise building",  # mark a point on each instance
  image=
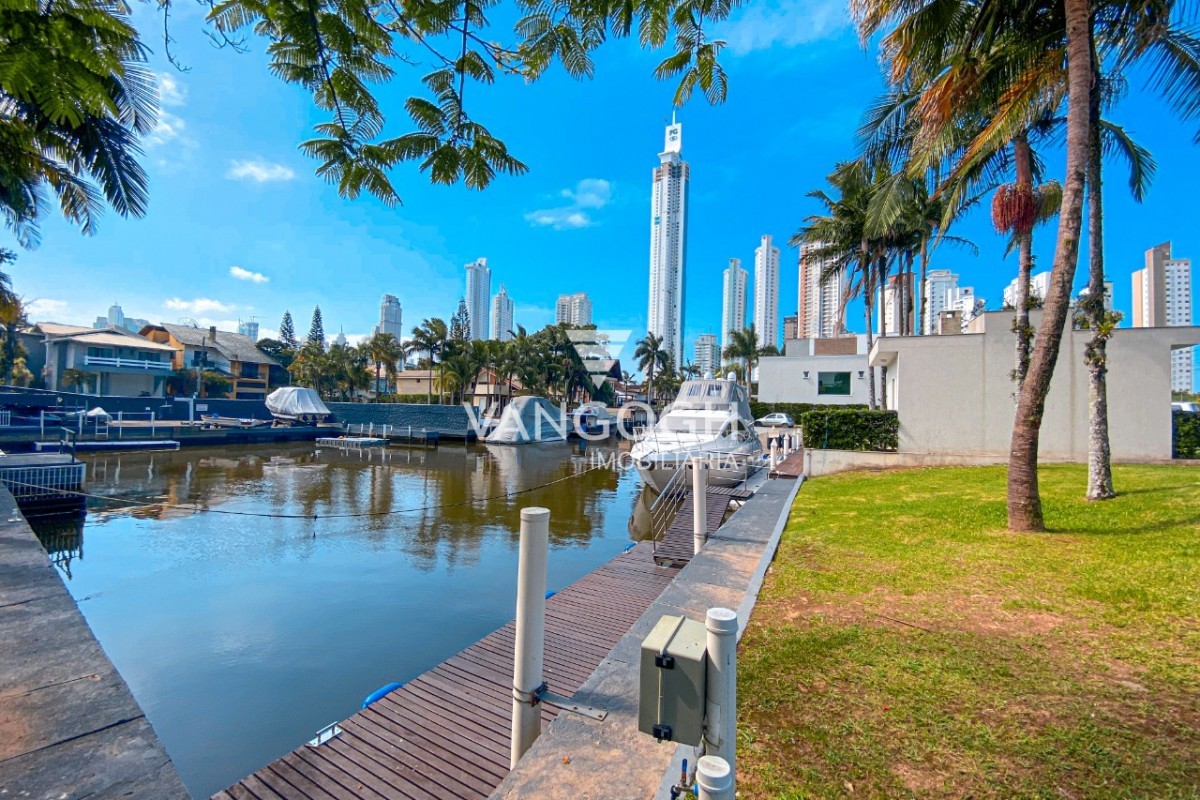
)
(573, 309)
(708, 354)
(248, 328)
(819, 314)
(1162, 297)
(1108, 300)
(896, 305)
(502, 315)
(479, 296)
(939, 283)
(391, 317)
(116, 319)
(733, 302)
(668, 243)
(790, 327)
(766, 293)
(1039, 287)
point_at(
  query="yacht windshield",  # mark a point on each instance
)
(710, 395)
(692, 423)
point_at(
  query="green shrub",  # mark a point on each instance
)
(1185, 430)
(850, 429)
(793, 410)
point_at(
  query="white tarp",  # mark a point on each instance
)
(295, 402)
(529, 419)
(98, 413)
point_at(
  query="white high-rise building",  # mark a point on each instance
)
(896, 305)
(573, 309)
(502, 315)
(1162, 297)
(939, 284)
(766, 293)
(733, 302)
(248, 328)
(708, 354)
(819, 308)
(479, 296)
(391, 317)
(116, 319)
(1039, 287)
(668, 243)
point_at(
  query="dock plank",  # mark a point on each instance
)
(445, 733)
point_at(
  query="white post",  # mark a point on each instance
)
(42, 425)
(530, 631)
(699, 505)
(372, 429)
(774, 453)
(720, 735)
(715, 778)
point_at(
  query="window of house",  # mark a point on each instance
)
(833, 383)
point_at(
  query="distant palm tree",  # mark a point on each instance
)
(650, 356)
(744, 347)
(385, 352)
(430, 337)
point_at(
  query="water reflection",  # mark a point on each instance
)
(242, 635)
(62, 536)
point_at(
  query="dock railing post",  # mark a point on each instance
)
(774, 453)
(715, 778)
(720, 733)
(530, 630)
(699, 505)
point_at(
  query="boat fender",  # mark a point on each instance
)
(381, 692)
(551, 593)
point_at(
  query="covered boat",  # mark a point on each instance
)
(297, 404)
(528, 420)
(709, 419)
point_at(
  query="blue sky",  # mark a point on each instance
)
(229, 189)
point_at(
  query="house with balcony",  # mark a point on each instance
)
(104, 361)
(232, 355)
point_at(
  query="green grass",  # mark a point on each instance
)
(906, 645)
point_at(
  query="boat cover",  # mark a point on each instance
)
(529, 419)
(295, 402)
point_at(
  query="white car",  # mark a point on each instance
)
(776, 420)
(1186, 407)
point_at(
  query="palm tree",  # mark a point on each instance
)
(385, 352)
(651, 356)
(430, 337)
(80, 141)
(744, 347)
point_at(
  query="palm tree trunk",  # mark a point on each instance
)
(1023, 158)
(1100, 482)
(1024, 501)
(898, 308)
(924, 296)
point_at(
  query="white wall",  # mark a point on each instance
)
(955, 394)
(781, 379)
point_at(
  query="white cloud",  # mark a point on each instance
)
(44, 309)
(168, 129)
(589, 193)
(259, 171)
(200, 305)
(786, 23)
(170, 91)
(247, 275)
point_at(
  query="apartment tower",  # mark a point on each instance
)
(391, 317)
(766, 293)
(708, 354)
(479, 296)
(819, 312)
(1162, 297)
(668, 243)
(733, 302)
(502, 316)
(573, 309)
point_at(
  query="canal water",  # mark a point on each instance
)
(241, 634)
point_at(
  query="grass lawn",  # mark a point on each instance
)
(905, 644)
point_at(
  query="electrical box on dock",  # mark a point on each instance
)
(673, 672)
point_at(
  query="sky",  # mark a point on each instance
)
(240, 227)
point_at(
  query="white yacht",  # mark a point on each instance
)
(711, 419)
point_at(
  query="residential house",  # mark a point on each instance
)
(232, 355)
(113, 361)
(826, 371)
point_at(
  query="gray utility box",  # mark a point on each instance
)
(673, 672)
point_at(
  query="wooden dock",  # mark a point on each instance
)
(445, 734)
(676, 546)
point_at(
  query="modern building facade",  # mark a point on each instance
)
(828, 371)
(939, 283)
(1039, 287)
(733, 302)
(1162, 297)
(708, 354)
(573, 309)
(502, 316)
(766, 293)
(954, 394)
(790, 326)
(668, 243)
(391, 317)
(820, 309)
(479, 296)
(116, 319)
(896, 305)
(248, 328)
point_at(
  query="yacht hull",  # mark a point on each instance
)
(722, 472)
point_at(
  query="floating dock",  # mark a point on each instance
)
(103, 445)
(44, 481)
(445, 734)
(351, 442)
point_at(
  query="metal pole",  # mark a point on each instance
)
(42, 425)
(699, 505)
(715, 778)
(720, 735)
(530, 630)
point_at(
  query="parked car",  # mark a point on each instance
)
(1186, 407)
(776, 420)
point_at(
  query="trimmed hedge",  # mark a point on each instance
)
(793, 410)
(850, 429)
(1185, 435)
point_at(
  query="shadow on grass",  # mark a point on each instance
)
(1083, 528)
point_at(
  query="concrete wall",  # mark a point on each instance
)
(955, 394)
(781, 379)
